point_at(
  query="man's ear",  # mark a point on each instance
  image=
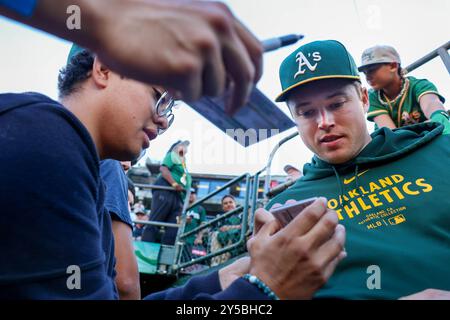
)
(100, 73)
(365, 99)
(393, 66)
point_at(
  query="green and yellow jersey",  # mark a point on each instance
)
(405, 109)
(198, 215)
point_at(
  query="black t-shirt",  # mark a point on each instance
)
(52, 213)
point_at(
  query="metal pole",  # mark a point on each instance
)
(157, 223)
(244, 221)
(445, 57)
(254, 199)
(433, 54)
(213, 221)
(179, 244)
(212, 194)
(153, 186)
(272, 155)
(241, 240)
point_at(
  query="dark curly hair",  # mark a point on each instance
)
(77, 70)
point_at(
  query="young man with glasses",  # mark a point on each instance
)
(396, 100)
(60, 246)
(102, 115)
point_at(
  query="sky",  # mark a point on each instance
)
(30, 60)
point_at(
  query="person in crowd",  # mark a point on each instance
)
(194, 218)
(139, 227)
(167, 205)
(229, 231)
(396, 100)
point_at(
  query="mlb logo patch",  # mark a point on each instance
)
(397, 219)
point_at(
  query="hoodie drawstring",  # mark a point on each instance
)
(341, 188)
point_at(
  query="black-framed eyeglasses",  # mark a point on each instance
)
(164, 107)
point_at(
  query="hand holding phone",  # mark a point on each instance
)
(286, 213)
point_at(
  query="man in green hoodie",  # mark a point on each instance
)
(390, 189)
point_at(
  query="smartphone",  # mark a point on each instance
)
(288, 212)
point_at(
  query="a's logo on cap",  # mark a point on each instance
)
(303, 61)
(367, 56)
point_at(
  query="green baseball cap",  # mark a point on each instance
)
(313, 61)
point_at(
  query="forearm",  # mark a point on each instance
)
(165, 173)
(430, 103)
(128, 286)
(384, 120)
(225, 284)
(128, 291)
(231, 227)
(205, 284)
(429, 109)
(127, 278)
(199, 237)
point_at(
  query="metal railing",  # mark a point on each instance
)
(158, 187)
(248, 208)
(153, 186)
(180, 243)
(268, 167)
(442, 52)
(157, 223)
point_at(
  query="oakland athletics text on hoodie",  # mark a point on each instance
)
(394, 201)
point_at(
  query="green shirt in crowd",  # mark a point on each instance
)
(198, 215)
(394, 201)
(405, 109)
(178, 170)
(224, 237)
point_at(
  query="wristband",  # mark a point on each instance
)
(22, 7)
(261, 286)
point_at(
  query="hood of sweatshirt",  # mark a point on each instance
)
(386, 146)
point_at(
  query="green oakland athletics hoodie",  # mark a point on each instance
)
(394, 201)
